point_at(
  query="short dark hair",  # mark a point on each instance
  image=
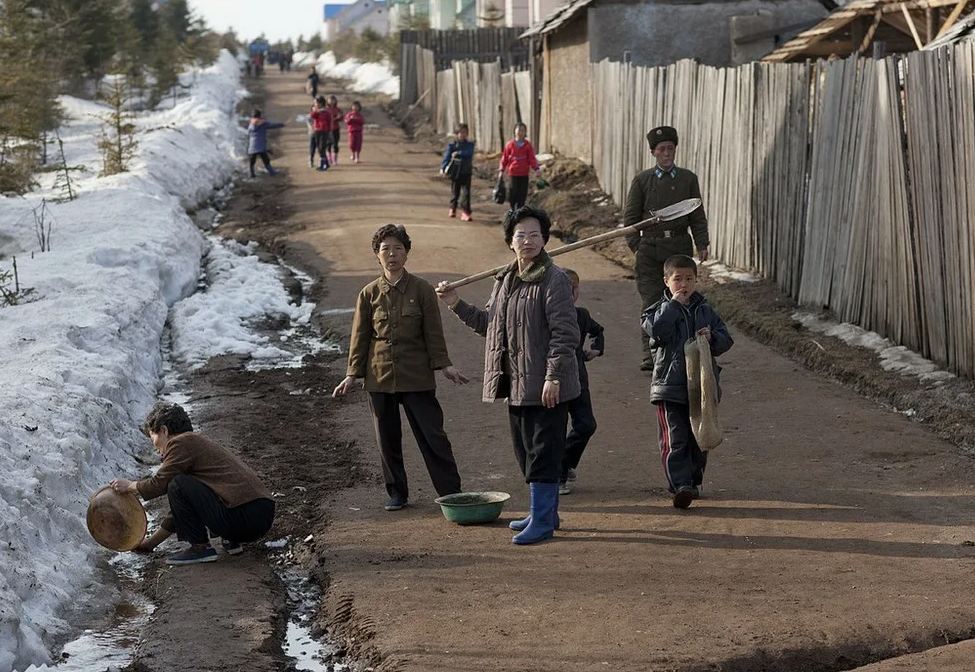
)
(256, 113)
(356, 102)
(573, 276)
(526, 212)
(397, 231)
(679, 261)
(320, 100)
(521, 124)
(170, 416)
(462, 127)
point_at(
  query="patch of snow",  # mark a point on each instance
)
(722, 274)
(81, 365)
(892, 357)
(365, 77)
(542, 158)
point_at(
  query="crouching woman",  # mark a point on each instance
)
(209, 488)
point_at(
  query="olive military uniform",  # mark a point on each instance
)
(652, 190)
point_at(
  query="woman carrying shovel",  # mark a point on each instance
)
(529, 360)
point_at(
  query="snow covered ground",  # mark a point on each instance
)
(80, 366)
(364, 77)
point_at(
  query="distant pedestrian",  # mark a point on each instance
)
(257, 141)
(320, 125)
(335, 119)
(518, 160)
(311, 83)
(396, 347)
(679, 315)
(458, 165)
(354, 121)
(582, 421)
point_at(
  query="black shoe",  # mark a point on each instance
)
(683, 497)
(395, 503)
(646, 365)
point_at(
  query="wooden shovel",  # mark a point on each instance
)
(670, 213)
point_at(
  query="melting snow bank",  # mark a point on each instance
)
(892, 357)
(80, 365)
(365, 77)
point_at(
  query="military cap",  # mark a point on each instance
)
(661, 134)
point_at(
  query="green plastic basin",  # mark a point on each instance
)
(472, 508)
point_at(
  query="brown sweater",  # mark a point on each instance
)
(397, 336)
(216, 467)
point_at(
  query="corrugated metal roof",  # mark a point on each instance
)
(558, 18)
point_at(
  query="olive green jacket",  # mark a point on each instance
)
(649, 193)
(397, 336)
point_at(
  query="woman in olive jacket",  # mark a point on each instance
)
(529, 359)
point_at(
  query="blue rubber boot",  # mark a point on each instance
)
(541, 526)
(519, 525)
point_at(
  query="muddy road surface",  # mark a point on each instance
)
(833, 534)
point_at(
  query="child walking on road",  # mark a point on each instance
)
(257, 141)
(335, 119)
(458, 165)
(680, 315)
(518, 160)
(354, 121)
(320, 125)
(582, 422)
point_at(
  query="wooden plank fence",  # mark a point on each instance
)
(482, 45)
(847, 183)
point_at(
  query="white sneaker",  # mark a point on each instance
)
(565, 489)
(572, 474)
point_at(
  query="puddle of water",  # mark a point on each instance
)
(300, 644)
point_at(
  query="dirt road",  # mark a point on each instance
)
(834, 533)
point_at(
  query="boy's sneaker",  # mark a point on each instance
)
(564, 488)
(451, 213)
(698, 491)
(683, 497)
(646, 365)
(232, 547)
(395, 503)
(196, 553)
(311, 164)
(571, 475)
(465, 217)
(272, 171)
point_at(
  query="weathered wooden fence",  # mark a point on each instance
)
(480, 94)
(847, 183)
(482, 45)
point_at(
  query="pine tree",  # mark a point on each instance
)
(118, 142)
(146, 22)
(164, 67)
(177, 17)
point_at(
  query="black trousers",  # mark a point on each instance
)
(518, 191)
(460, 192)
(582, 425)
(321, 140)
(683, 460)
(332, 141)
(538, 436)
(425, 416)
(264, 157)
(196, 508)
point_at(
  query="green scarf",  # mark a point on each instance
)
(534, 273)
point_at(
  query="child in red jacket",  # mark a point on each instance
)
(354, 121)
(321, 122)
(336, 117)
(518, 160)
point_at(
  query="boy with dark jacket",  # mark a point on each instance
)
(461, 153)
(582, 422)
(680, 315)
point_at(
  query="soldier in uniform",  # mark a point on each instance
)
(651, 190)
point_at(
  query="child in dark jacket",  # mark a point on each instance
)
(681, 314)
(257, 141)
(582, 422)
(518, 160)
(354, 121)
(461, 151)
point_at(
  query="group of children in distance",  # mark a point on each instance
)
(324, 123)
(517, 161)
